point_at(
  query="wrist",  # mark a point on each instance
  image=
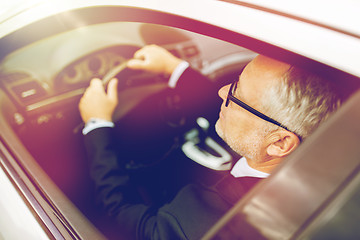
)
(173, 65)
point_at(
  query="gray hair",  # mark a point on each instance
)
(301, 101)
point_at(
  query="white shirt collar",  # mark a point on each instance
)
(242, 169)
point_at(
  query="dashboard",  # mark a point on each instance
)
(45, 80)
(30, 93)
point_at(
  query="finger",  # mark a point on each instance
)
(136, 64)
(140, 54)
(80, 103)
(95, 82)
(112, 91)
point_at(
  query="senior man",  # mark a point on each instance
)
(265, 115)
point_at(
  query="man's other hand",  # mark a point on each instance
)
(154, 59)
(96, 103)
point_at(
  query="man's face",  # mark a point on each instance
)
(240, 129)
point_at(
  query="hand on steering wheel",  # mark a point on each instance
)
(154, 59)
(96, 103)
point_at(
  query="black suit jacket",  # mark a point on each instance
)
(192, 211)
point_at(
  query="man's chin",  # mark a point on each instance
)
(219, 130)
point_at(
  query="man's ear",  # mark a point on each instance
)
(282, 143)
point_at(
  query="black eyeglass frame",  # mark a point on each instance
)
(230, 97)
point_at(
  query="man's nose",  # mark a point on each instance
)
(223, 92)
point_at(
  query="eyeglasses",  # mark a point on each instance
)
(230, 97)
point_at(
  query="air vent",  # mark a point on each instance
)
(28, 92)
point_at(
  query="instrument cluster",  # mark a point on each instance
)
(79, 73)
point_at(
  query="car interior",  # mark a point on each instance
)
(41, 85)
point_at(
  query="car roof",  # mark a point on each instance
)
(340, 15)
(336, 14)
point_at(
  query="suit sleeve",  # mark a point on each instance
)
(197, 93)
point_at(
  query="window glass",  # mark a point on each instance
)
(44, 81)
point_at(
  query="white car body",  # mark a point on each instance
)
(325, 33)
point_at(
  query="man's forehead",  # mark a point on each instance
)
(264, 68)
(258, 75)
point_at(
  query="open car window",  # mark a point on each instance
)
(42, 83)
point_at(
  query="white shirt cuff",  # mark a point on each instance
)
(95, 123)
(177, 73)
